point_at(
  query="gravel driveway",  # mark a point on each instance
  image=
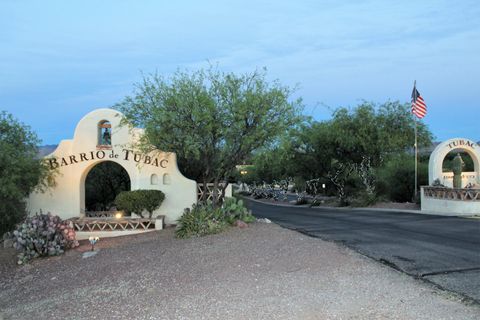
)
(261, 272)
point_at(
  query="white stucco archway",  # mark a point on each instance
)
(75, 158)
(440, 152)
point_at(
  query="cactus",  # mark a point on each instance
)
(234, 210)
(43, 235)
(457, 165)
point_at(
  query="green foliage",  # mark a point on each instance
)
(138, 201)
(447, 162)
(205, 218)
(299, 184)
(397, 177)
(346, 150)
(20, 170)
(212, 120)
(233, 210)
(365, 199)
(43, 235)
(374, 131)
(272, 164)
(103, 183)
(245, 174)
(301, 200)
(201, 220)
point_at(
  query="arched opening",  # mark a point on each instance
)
(104, 134)
(102, 184)
(154, 179)
(467, 159)
(166, 178)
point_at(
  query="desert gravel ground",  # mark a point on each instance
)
(261, 272)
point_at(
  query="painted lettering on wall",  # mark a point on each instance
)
(464, 176)
(127, 155)
(461, 143)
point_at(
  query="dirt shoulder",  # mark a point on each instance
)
(261, 272)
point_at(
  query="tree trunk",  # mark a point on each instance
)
(224, 187)
(215, 192)
(204, 194)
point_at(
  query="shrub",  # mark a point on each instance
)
(138, 201)
(205, 219)
(301, 199)
(233, 210)
(437, 183)
(299, 184)
(201, 220)
(43, 235)
(397, 177)
(316, 202)
(11, 212)
(365, 199)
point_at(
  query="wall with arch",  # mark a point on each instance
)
(74, 158)
(440, 152)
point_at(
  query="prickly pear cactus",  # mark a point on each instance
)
(233, 211)
(43, 235)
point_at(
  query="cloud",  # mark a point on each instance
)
(70, 53)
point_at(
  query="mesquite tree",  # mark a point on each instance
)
(212, 120)
(354, 143)
(21, 170)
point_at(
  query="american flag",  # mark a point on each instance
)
(419, 108)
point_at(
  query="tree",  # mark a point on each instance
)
(211, 119)
(350, 145)
(21, 171)
(397, 175)
(375, 131)
(272, 164)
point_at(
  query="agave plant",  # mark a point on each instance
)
(201, 220)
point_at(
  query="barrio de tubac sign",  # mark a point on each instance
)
(101, 155)
(100, 137)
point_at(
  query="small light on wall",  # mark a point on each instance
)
(118, 215)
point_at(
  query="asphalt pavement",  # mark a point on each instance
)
(439, 249)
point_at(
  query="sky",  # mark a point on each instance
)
(61, 59)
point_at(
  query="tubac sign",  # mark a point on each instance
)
(435, 165)
(461, 143)
(102, 155)
(101, 137)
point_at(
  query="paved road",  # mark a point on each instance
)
(443, 250)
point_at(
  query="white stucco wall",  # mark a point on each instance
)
(448, 207)
(76, 157)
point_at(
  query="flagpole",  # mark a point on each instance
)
(415, 196)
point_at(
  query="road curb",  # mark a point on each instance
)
(421, 212)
